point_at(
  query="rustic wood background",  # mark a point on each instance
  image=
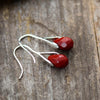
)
(78, 19)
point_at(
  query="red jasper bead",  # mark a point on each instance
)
(58, 60)
(64, 43)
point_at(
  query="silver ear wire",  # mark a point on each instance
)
(43, 39)
(14, 53)
(52, 37)
(47, 53)
(30, 49)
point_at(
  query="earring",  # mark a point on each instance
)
(63, 43)
(55, 59)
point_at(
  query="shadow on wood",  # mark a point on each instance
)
(4, 3)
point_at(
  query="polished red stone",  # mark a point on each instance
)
(64, 43)
(58, 60)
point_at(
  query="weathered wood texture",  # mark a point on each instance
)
(96, 10)
(78, 19)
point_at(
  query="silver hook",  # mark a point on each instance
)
(43, 39)
(30, 49)
(52, 37)
(14, 53)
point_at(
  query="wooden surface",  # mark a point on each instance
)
(78, 19)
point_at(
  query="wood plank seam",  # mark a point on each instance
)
(94, 26)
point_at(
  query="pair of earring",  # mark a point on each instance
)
(55, 59)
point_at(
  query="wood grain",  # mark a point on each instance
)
(72, 18)
(96, 20)
(96, 16)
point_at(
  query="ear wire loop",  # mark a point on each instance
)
(14, 53)
(33, 36)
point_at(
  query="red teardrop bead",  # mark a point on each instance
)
(64, 43)
(58, 60)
